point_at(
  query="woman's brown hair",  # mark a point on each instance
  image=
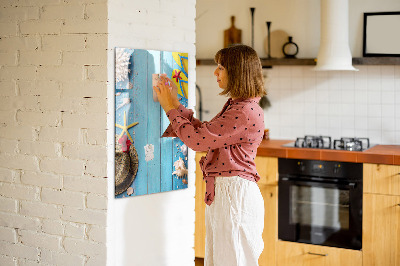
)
(245, 78)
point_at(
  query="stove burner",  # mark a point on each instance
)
(324, 142)
(351, 144)
(308, 141)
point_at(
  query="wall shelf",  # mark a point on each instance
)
(312, 61)
(376, 61)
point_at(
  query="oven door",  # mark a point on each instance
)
(320, 212)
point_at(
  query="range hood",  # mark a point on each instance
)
(334, 51)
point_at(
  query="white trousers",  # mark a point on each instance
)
(234, 223)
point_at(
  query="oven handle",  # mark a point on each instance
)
(297, 181)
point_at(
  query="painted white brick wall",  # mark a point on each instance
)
(53, 106)
(338, 104)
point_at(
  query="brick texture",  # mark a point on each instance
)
(75, 230)
(61, 258)
(53, 227)
(55, 84)
(86, 216)
(63, 197)
(19, 250)
(34, 239)
(41, 179)
(7, 260)
(8, 234)
(84, 247)
(53, 108)
(97, 234)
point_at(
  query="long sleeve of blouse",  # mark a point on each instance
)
(225, 130)
(186, 113)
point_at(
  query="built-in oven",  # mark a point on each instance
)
(320, 202)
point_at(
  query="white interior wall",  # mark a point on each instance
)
(338, 104)
(155, 229)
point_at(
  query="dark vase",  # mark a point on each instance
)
(290, 49)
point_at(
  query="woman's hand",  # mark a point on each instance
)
(174, 90)
(165, 94)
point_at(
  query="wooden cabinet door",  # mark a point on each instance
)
(200, 207)
(297, 254)
(381, 230)
(270, 233)
(267, 168)
(381, 179)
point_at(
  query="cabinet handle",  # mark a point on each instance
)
(318, 254)
(398, 204)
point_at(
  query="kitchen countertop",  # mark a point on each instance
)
(379, 154)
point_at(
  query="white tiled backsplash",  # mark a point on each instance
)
(337, 104)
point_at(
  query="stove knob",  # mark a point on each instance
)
(301, 166)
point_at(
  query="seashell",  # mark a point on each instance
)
(149, 152)
(180, 168)
(184, 149)
(121, 65)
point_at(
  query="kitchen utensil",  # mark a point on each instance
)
(269, 38)
(232, 35)
(252, 9)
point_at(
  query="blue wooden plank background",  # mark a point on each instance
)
(166, 143)
(140, 115)
(154, 125)
(155, 175)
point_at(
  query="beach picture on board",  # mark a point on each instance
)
(145, 163)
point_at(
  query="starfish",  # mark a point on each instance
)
(177, 76)
(126, 127)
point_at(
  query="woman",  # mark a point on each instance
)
(235, 207)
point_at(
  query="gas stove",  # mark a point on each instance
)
(325, 142)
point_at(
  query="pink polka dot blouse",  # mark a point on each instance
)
(231, 139)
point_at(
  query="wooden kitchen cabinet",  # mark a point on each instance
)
(200, 207)
(270, 233)
(298, 254)
(381, 215)
(381, 179)
(381, 230)
(267, 168)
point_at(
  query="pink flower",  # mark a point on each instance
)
(125, 143)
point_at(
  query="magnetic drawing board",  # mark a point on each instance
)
(145, 163)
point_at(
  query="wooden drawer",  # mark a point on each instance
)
(297, 254)
(381, 179)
